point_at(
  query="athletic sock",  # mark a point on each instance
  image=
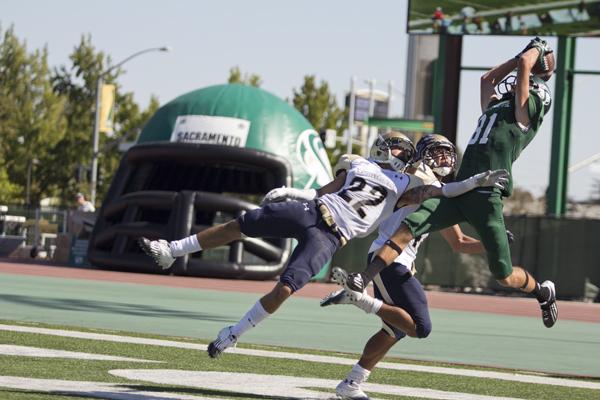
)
(185, 246)
(369, 304)
(252, 318)
(358, 374)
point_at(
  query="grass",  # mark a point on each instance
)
(191, 360)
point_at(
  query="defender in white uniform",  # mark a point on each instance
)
(349, 206)
(403, 304)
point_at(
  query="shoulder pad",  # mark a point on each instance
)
(344, 163)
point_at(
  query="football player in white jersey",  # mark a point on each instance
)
(403, 304)
(322, 221)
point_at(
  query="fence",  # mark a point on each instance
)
(564, 250)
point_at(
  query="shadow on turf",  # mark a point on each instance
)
(109, 307)
(158, 390)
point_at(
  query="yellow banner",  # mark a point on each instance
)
(107, 105)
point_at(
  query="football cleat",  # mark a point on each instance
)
(350, 390)
(549, 308)
(337, 297)
(224, 340)
(352, 283)
(159, 250)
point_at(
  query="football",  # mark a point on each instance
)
(545, 71)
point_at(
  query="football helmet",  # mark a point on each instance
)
(429, 149)
(537, 87)
(381, 150)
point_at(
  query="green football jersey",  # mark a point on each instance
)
(498, 140)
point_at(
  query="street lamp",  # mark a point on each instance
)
(95, 140)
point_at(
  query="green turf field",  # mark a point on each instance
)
(189, 373)
(325, 343)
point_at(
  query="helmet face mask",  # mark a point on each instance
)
(394, 149)
(537, 86)
(506, 87)
(438, 153)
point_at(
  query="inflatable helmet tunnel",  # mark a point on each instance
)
(203, 159)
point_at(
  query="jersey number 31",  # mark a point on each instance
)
(486, 131)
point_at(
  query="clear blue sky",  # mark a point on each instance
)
(282, 41)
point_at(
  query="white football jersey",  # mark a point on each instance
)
(423, 176)
(368, 197)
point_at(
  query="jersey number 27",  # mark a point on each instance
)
(358, 184)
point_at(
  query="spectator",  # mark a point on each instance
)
(497, 27)
(438, 20)
(83, 204)
(508, 25)
(522, 25)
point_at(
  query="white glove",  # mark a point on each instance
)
(283, 193)
(497, 178)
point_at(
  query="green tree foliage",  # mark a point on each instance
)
(319, 106)
(47, 120)
(31, 120)
(77, 82)
(236, 76)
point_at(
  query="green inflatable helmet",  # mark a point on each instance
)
(202, 159)
(243, 116)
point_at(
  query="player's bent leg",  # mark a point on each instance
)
(267, 305)
(399, 318)
(544, 292)
(276, 297)
(219, 235)
(375, 349)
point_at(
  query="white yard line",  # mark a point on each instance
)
(26, 351)
(538, 379)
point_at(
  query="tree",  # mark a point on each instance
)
(77, 83)
(31, 120)
(236, 76)
(319, 106)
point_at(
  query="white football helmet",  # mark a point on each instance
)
(382, 149)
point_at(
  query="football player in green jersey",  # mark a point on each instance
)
(510, 120)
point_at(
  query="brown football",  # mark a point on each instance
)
(545, 74)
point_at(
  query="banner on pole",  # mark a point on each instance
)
(107, 105)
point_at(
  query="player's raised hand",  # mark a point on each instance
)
(497, 178)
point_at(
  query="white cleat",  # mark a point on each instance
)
(337, 297)
(549, 308)
(224, 340)
(349, 282)
(159, 250)
(350, 390)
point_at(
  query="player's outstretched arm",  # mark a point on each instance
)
(490, 80)
(497, 178)
(284, 193)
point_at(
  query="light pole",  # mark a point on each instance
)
(95, 139)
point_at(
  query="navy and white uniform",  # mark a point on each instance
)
(368, 197)
(396, 285)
